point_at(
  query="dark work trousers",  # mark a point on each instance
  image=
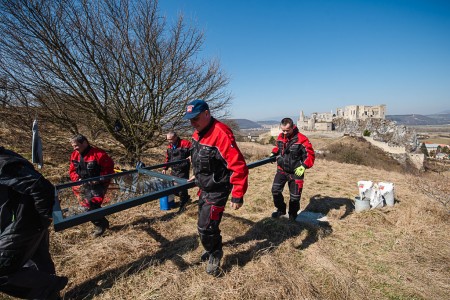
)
(295, 184)
(102, 222)
(34, 277)
(184, 196)
(210, 210)
(97, 191)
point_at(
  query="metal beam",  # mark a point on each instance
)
(60, 222)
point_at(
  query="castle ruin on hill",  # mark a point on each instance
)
(354, 120)
(324, 121)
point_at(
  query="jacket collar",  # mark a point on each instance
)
(207, 128)
(85, 152)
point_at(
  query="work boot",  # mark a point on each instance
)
(213, 267)
(205, 256)
(183, 205)
(59, 285)
(277, 214)
(100, 229)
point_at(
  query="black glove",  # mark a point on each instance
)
(237, 200)
(280, 160)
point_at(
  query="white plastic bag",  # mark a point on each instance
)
(375, 200)
(386, 192)
(365, 189)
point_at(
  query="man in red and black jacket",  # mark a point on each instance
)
(179, 149)
(294, 154)
(87, 162)
(219, 169)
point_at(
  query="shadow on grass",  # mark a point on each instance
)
(323, 204)
(269, 234)
(169, 250)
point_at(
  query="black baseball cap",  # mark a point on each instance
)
(194, 108)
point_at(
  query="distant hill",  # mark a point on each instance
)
(246, 124)
(268, 122)
(444, 112)
(413, 119)
(435, 119)
(443, 118)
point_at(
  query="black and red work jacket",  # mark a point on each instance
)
(93, 162)
(178, 151)
(293, 151)
(217, 162)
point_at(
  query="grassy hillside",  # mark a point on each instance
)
(398, 252)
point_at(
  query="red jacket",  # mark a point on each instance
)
(218, 162)
(96, 163)
(294, 151)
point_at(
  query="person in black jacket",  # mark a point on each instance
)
(26, 202)
(179, 149)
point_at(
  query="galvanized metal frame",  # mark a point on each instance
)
(61, 223)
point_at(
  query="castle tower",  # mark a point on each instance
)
(302, 117)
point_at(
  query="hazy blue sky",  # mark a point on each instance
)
(317, 55)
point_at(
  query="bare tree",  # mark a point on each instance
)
(115, 61)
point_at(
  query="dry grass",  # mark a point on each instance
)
(398, 252)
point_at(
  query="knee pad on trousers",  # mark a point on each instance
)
(294, 199)
(276, 190)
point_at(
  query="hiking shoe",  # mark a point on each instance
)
(100, 229)
(214, 263)
(277, 214)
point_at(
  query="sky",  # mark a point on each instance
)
(318, 55)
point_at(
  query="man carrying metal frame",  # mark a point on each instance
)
(219, 169)
(294, 154)
(179, 149)
(87, 162)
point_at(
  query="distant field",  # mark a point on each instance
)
(444, 129)
(437, 140)
(436, 134)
